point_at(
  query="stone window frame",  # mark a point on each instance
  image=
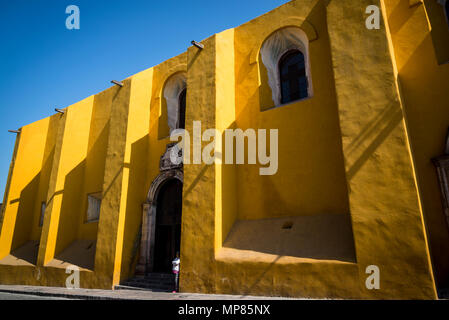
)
(96, 217)
(172, 111)
(42, 215)
(438, 19)
(445, 4)
(300, 43)
(442, 165)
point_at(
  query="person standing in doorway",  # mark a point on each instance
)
(176, 262)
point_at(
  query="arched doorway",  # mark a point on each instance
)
(161, 222)
(168, 225)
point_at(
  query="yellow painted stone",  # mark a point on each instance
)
(355, 184)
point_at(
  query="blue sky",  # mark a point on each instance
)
(43, 65)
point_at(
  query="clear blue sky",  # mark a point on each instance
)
(43, 65)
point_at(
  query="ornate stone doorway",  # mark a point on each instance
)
(161, 223)
(168, 225)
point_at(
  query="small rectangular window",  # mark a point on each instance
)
(446, 10)
(439, 31)
(442, 165)
(41, 220)
(93, 207)
(1, 213)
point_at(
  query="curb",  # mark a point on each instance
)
(59, 295)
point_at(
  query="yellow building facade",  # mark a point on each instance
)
(360, 183)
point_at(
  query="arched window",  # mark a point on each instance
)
(182, 109)
(175, 96)
(293, 78)
(285, 55)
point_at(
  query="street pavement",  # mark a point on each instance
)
(10, 292)
(16, 296)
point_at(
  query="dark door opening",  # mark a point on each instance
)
(168, 225)
(182, 109)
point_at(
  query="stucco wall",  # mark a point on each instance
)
(306, 182)
(422, 79)
(383, 195)
(351, 151)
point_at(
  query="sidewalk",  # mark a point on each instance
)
(96, 294)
